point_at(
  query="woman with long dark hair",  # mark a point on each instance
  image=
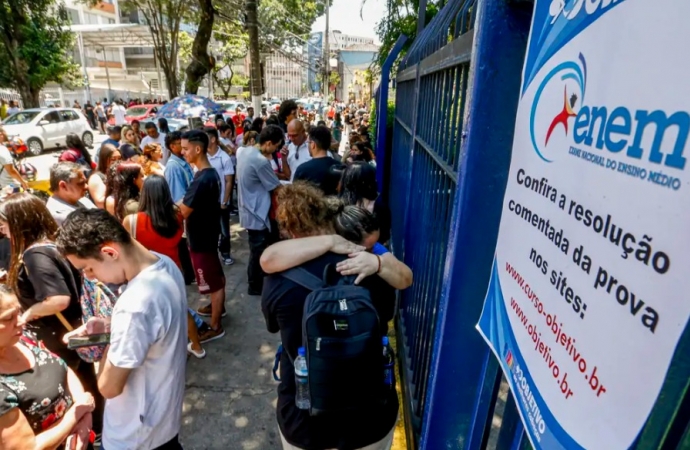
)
(108, 155)
(358, 187)
(158, 226)
(361, 151)
(77, 153)
(127, 182)
(163, 125)
(46, 284)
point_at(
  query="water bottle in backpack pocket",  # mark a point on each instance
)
(342, 342)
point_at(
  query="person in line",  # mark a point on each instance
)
(358, 234)
(337, 128)
(90, 114)
(142, 372)
(118, 112)
(320, 169)
(102, 117)
(3, 109)
(153, 136)
(114, 136)
(136, 126)
(358, 187)
(8, 172)
(303, 211)
(13, 108)
(237, 121)
(47, 286)
(30, 372)
(179, 176)
(69, 187)
(129, 136)
(286, 114)
(152, 157)
(127, 183)
(256, 184)
(130, 153)
(250, 113)
(201, 209)
(226, 173)
(297, 150)
(77, 153)
(361, 151)
(107, 156)
(163, 126)
(158, 226)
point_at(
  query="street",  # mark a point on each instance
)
(44, 162)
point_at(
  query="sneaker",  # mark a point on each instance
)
(211, 335)
(198, 355)
(206, 311)
(227, 260)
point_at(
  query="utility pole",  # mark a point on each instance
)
(254, 55)
(326, 58)
(421, 17)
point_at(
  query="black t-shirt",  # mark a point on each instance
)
(203, 224)
(282, 304)
(383, 214)
(88, 110)
(45, 273)
(320, 172)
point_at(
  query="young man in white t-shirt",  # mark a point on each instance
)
(118, 112)
(142, 372)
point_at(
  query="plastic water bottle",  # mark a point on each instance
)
(302, 380)
(388, 364)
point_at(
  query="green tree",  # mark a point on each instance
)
(232, 45)
(201, 62)
(35, 47)
(163, 17)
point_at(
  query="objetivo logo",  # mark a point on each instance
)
(560, 119)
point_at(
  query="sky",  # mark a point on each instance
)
(344, 16)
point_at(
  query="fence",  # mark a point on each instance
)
(456, 102)
(455, 105)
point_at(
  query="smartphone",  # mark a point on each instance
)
(89, 341)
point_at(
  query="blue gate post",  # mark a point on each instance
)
(382, 113)
(463, 371)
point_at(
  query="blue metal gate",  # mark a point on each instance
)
(456, 101)
(451, 141)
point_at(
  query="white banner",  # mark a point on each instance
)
(587, 301)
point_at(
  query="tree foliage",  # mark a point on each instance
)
(401, 19)
(163, 17)
(232, 44)
(35, 47)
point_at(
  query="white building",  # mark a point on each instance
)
(339, 41)
(284, 77)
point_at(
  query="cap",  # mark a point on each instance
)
(385, 340)
(301, 351)
(115, 129)
(128, 151)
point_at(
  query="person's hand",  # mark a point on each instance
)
(284, 151)
(83, 404)
(362, 264)
(79, 439)
(95, 325)
(342, 246)
(223, 206)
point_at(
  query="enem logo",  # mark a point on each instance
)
(559, 118)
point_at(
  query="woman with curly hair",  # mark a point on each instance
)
(304, 212)
(127, 180)
(153, 155)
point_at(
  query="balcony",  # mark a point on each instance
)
(104, 7)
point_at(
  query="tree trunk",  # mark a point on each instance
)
(200, 65)
(30, 97)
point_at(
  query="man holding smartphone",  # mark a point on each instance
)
(142, 372)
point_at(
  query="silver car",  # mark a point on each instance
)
(46, 128)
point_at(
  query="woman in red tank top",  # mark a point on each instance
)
(158, 226)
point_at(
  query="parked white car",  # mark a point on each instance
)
(46, 128)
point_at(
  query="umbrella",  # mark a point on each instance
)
(189, 106)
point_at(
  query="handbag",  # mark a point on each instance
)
(95, 300)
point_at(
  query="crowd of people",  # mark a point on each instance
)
(149, 216)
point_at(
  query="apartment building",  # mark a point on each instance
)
(339, 41)
(284, 76)
(103, 12)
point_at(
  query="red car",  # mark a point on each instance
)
(142, 113)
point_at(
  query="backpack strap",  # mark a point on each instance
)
(304, 278)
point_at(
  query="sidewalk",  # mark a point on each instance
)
(230, 395)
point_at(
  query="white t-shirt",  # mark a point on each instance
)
(119, 114)
(13, 110)
(148, 335)
(60, 209)
(223, 164)
(5, 159)
(297, 156)
(160, 140)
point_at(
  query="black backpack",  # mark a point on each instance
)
(342, 338)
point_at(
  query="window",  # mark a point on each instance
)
(90, 18)
(74, 16)
(52, 117)
(66, 115)
(111, 21)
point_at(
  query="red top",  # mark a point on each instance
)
(238, 119)
(149, 238)
(74, 155)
